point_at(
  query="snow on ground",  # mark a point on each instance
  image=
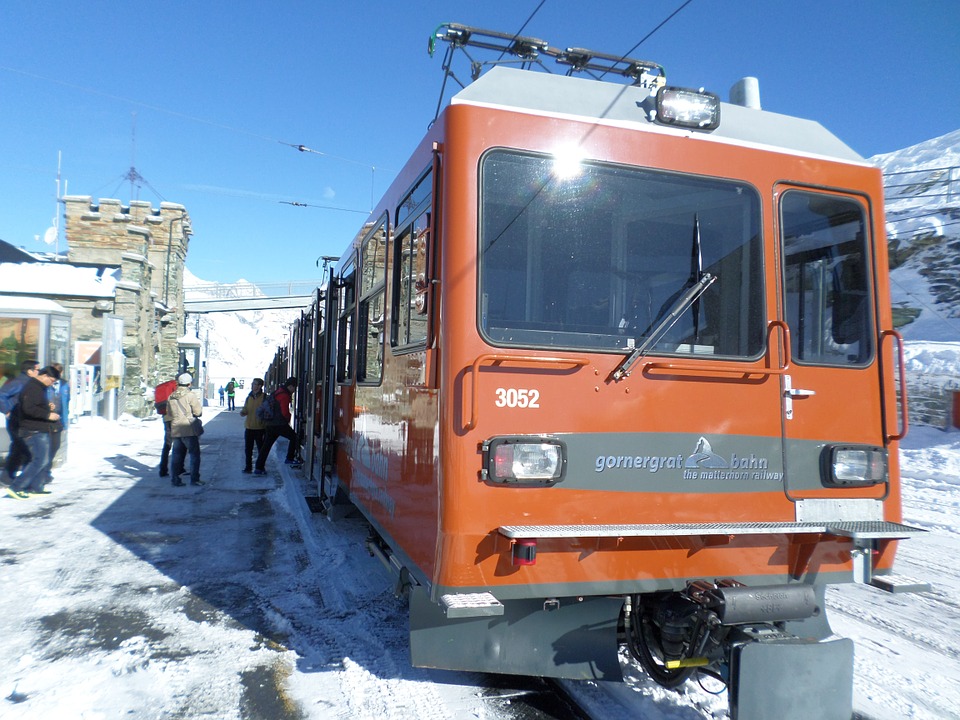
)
(908, 646)
(122, 596)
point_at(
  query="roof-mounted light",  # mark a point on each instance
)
(688, 108)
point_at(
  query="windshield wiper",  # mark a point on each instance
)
(679, 307)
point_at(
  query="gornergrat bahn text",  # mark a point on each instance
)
(614, 365)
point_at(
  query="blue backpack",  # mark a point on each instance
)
(10, 395)
(269, 410)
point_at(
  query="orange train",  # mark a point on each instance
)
(615, 365)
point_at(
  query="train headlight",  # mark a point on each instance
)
(524, 460)
(854, 465)
(688, 108)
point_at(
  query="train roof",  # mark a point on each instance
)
(623, 105)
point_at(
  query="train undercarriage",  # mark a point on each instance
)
(768, 645)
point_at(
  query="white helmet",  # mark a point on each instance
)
(185, 379)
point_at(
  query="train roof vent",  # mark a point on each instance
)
(746, 93)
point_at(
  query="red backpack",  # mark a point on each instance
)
(162, 394)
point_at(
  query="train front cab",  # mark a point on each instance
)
(667, 385)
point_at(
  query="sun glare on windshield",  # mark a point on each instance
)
(567, 163)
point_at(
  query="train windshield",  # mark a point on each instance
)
(593, 256)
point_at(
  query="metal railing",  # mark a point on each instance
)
(931, 398)
(251, 289)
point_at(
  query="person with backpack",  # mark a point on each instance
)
(275, 412)
(161, 396)
(19, 455)
(255, 429)
(231, 392)
(37, 423)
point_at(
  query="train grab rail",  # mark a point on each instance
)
(496, 358)
(782, 366)
(902, 421)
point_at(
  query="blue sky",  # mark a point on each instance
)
(216, 92)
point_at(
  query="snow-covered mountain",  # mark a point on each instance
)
(922, 189)
(922, 185)
(238, 344)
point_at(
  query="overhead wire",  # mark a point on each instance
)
(175, 113)
(920, 217)
(920, 170)
(922, 196)
(525, 23)
(925, 213)
(916, 298)
(373, 168)
(297, 203)
(138, 103)
(649, 34)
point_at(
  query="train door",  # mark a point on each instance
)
(310, 384)
(831, 392)
(338, 370)
(322, 376)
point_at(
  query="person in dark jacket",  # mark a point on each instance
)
(38, 421)
(280, 427)
(19, 455)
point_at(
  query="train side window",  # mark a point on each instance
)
(345, 335)
(826, 278)
(410, 268)
(373, 273)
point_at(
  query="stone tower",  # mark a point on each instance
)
(150, 248)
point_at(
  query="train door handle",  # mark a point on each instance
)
(789, 393)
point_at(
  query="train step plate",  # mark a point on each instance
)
(857, 530)
(899, 584)
(461, 605)
(873, 529)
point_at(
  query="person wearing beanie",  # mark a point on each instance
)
(37, 421)
(280, 427)
(185, 409)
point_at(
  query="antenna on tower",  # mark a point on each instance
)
(52, 234)
(132, 176)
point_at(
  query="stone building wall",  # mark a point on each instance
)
(86, 321)
(168, 255)
(150, 247)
